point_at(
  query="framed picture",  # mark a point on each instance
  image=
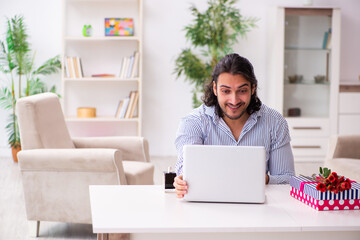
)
(119, 27)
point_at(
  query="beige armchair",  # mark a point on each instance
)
(57, 170)
(344, 156)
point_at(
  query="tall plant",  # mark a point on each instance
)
(214, 32)
(17, 63)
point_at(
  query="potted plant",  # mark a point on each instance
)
(214, 31)
(17, 66)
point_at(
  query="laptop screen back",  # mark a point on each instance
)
(224, 173)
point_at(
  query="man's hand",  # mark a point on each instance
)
(266, 179)
(180, 186)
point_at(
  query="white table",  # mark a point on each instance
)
(148, 213)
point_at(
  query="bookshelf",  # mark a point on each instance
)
(100, 54)
(304, 66)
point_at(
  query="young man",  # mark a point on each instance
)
(232, 114)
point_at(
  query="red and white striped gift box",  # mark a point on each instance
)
(305, 191)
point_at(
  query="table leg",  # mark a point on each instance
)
(113, 236)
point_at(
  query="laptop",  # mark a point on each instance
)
(224, 173)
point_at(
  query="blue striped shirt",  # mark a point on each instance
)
(265, 127)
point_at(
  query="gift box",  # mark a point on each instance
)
(305, 191)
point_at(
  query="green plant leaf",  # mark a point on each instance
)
(17, 61)
(53, 65)
(321, 170)
(12, 129)
(194, 69)
(213, 33)
(6, 99)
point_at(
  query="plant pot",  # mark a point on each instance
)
(14, 151)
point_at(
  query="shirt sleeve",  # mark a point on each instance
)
(189, 133)
(281, 161)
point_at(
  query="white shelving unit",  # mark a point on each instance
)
(349, 109)
(100, 54)
(296, 48)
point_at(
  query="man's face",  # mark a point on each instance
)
(233, 93)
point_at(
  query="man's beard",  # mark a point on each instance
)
(234, 117)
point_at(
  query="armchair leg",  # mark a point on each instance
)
(34, 228)
(113, 236)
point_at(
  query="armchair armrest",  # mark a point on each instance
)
(133, 148)
(344, 147)
(73, 160)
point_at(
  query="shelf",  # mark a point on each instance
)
(103, 56)
(96, 1)
(289, 49)
(308, 84)
(101, 119)
(100, 79)
(102, 38)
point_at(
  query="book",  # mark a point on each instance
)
(118, 109)
(103, 75)
(135, 103)
(124, 107)
(121, 67)
(76, 67)
(131, 103)
(134, 72)
(328, 41)
(325, 40)
(71, 67)
(81, 68)
(124, 67)
(66, 66)
(129, 69)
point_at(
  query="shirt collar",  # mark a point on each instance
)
(211, 111)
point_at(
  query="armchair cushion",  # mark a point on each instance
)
(349, 167)
(347, 147)
(73, 160)
(41, 122)
(56, 181)
(133, 148)
(344, 156)
(139, 173)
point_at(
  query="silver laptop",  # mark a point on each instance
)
(224, 173)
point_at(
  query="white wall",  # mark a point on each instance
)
(166, 99)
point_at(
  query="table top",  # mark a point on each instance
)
(148, 209)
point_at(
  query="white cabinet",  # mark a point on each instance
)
(100, 54)
(304, 51)
(349, 110)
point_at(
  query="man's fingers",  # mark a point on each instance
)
(179, 181)
(180, 186)
(180, 194)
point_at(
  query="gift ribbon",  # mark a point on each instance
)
(302, 185)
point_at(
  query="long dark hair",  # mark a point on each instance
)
(234, 64)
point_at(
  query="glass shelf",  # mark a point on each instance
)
(305, 57)
(289, 49)
(307, 83)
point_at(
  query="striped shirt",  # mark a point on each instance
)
(265, 127)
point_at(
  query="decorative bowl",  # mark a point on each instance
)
(319, 79)
(295, 78)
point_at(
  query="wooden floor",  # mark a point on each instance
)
(13, 223)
